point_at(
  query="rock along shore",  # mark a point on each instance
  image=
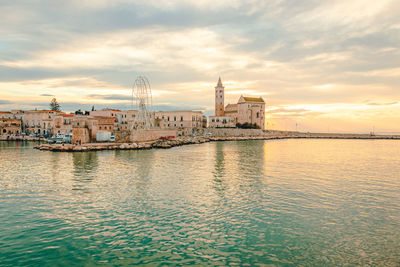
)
(179, 141)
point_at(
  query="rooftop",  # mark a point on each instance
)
(219, 84)
(231, 106)
(111, 109)
(44, 111)
(253, 99)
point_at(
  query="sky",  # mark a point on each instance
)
(319, 65)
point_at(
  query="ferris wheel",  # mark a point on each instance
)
(141, 93)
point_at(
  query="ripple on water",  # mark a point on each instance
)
(288, 202)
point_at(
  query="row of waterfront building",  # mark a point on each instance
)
(48, 122)
(250, 110)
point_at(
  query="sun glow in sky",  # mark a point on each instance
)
(320, 65)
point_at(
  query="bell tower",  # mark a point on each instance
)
(219, 99)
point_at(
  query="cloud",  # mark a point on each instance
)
(286, 110)
(382, 104)
(111, 97)
(292, 53)
(4, 102)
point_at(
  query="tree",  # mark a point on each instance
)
(54, 105)
(247, 125)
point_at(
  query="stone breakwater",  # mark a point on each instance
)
(164, 144)
(122, 146)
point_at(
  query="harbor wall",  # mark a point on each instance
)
(236, 132)
(150, 135)
(80, 135)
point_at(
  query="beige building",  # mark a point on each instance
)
(249, 110)
(105, 124)
(125, 120)
(10, 126)
(39, 122)
(13, 114)
(62, 124)
(179, 119)
(221, 121)
(84, 129)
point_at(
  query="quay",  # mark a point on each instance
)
(185, 140)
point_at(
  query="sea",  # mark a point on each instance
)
(299, 202)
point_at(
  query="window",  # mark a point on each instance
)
(174, 118)
(258, 114)
(181, 118)
(213, 120)
(168, 120)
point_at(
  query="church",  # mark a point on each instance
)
(247, 110)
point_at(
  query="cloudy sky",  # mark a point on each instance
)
(323, 65)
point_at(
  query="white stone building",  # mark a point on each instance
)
(249, 110)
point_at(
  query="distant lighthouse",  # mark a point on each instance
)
(219, 99)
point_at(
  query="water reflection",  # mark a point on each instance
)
(85, 165)
(138, 165)
(283, 203)
(219, 169)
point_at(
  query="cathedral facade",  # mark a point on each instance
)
(250, 110)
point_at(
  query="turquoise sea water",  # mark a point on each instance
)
(255, 203)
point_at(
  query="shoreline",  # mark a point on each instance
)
(21, 138)
(180, 141)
